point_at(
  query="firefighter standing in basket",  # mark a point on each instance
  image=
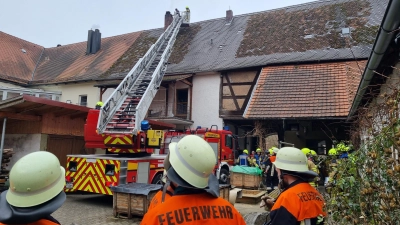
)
(299, 202)
(36, 191)
(189, 166)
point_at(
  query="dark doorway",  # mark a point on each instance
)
(182, 103)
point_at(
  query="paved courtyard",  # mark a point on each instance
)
(82, 209)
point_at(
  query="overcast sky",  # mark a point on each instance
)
(52, 22)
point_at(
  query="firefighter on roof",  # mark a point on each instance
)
(189, 166)
(299, 202)
(36, 190)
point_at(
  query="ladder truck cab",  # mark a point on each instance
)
(120, 128)
(222, 141)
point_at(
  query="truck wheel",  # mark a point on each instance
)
(224, 176)
(157, 179)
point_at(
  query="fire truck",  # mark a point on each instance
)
(134, 151)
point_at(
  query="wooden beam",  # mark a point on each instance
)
(16, 116)
(102, 90)
(186, 82)
(246, 101)
(31, 108)
(238, 84)
(232, 92)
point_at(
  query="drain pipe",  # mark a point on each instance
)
(390, 23)
(2, 142)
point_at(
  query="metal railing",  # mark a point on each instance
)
(114, 102)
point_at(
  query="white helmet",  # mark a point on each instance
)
(192, 160)
(292, 159)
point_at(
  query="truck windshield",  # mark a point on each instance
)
(228, 141)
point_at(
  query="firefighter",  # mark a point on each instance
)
(99, 104)
(36, 190)
(159, 198)
(189, 166)
(311, 166)
(272, 177)
(257, 156)
(299, 203)
(243, 158)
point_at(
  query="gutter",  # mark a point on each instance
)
(390, 23)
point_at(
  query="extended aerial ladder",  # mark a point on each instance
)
(120, 117)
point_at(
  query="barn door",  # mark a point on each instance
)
(61, 146)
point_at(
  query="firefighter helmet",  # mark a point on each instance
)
(292, 159)
(306, 151)
(33, 182)
(192, 160)
(99, 103)
(332, 151)
(245, 151)
(258, 150)
(275, 150)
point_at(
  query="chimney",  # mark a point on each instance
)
(93, 42)
(229, 16)
(168, 19)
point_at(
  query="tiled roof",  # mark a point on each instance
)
(301, 33)
(18, 58)
(70, 62)
(305, 91)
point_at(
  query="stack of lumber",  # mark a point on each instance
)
(4, 173)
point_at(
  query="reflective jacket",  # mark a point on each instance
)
(39, 222)
(243, 160)
(297, 203)
(157, 199)
(198, 208)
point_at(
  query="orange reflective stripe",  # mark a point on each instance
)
(193, 209)
(272, 158)
(302, 201)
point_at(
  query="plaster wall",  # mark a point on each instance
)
(206, 94)
(72, 91)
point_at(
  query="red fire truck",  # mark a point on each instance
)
(135, 152)
(97, 173)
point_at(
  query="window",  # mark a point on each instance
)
(83, 100)
(228, 141)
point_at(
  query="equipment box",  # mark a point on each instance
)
(133, 199)
(224, 190)
(242, 180)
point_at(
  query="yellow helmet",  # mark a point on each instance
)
(332, 151)
(306, 151)
(192, 161)
(246, 151)
(99, 103)
(258, 150)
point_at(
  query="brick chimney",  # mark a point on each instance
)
(168, 19)
(229, 16)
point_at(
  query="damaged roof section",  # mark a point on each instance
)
(305, 91)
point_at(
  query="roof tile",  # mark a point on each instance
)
(312, 90)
